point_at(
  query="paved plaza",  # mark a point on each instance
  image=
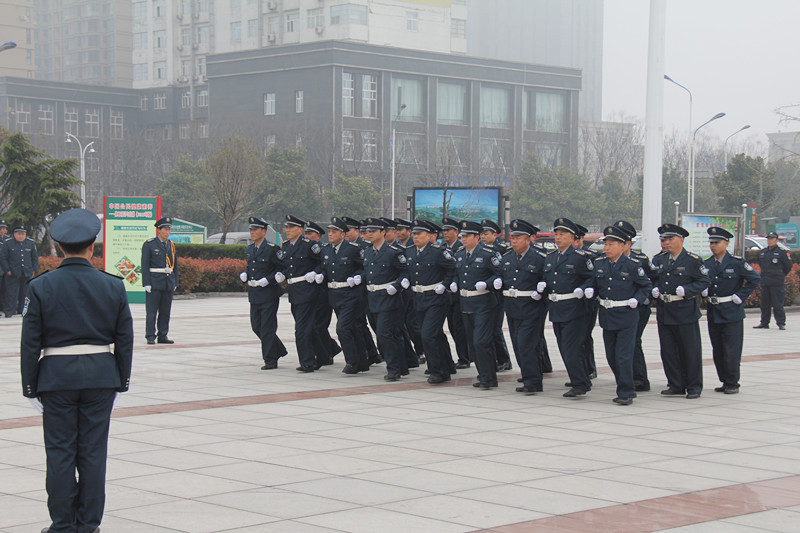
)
(207, 442)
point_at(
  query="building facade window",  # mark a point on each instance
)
(348, 153)
(140, 41)
(452, 152)
(22, 114)
(115, 121)
(186, 100)
(160, 70)
(160, 39)
(202, 130)
(71, 119)
(458, 28)
(348, 94)
(269, 144)
(202, 98)
(252, 28)
(202, 34)
(274, 25)
(159, 8)
(143, 102)
(236, 31)
(298, 141)
(551, 112)
(269, 104)
(298, 101)
(369, 146)
(201, 66)
(316, 18)
(92, 121)
(186, 67)
(496, 154)
(495, 107)
(46, 126)
(139, 11)
(140, 72)
(349, 14)
(411, 149)
(412, 21)
(186, 36)
(369, 96)
(160, 100)
(451, 107)
(408, 92)
(184, 130)
(292, 21)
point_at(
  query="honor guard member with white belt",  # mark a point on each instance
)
(478, 268)
(541, 348)
(431, 269)
(523, 269)
(455, 324)
(263, 277)
(567, 272)
(733, 280)
(641, 382)
(3, 269)
(412, 338)
(391, 230)
(681, 276)
(385, 276)
(324, 345)
(403, 232)
(587, 347)
(303, 259)
(621, 286)
(489, 233)
(159, 278)
(20, 263)
(73, 316)
(775, 263)
(343, 266)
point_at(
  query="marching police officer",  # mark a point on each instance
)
(354, 235)
(385, 276)
(20, 263)
(263, 276)
(541, 348)
(775, 264)
(160, 278)
(455, 324)
(343, 266)
(72, 316)
(567, 272)
(621, 285)
(478, 268)
(587, 346)
(732, 281)
(430, 270)
(489, 232)
(680, 277)
(324, 345)
(403, 238)
(523, 269)
(412, 335)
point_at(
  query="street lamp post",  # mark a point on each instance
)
(689, 161)
(725, 144)
(691, 168)
(82, 151)
(677, 211)
(394, 151)
(7, 46)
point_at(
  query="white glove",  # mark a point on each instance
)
(357, 279)
(536, 296)
(704, 293)
(116, 397)
(243, 276)
(263, 282)
(498, 284)
(279, 277)
(679, 291)
(405, 283)
(319, 278)
(148, 288)
(351, 281)
(37, 404)
(655, 292)
(578, 293)
(309, 277)
(390, 290)
(541, 286)
(633, 303)
(439, 288)
(480, 286)
(735, 299)
(588, 293)
(454, 287)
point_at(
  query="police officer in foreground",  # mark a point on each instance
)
(489, 233)
(621, 285)
(20, 263)
(478, 267)
(263, 277)
(160, 279)
(325, 347)
(733, 280)
(680, 277)
(72, 317)
(455, 324)
(775, 264)
(523, 269)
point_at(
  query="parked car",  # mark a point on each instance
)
(243, 237)
(757, 242)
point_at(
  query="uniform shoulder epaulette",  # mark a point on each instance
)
(305, 239)
(738, 257)
(354, 244)
(580, 251)
(540, 252)
(103, 271)
(693, 256)
(148, 240)
(393, 247)
(634, 259)
(553, 251)
(435, 245)
(506, 251)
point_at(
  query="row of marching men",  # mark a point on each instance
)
(395, 276)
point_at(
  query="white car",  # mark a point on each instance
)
(757, 242)
(242, 237)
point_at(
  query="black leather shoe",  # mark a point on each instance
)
(573, 392)
(269, 366)
(325, 362)
(164, 340)
(391, 377)
(642, 388)
(404, 372)
(731, 390)
(151, 341)
(693, 396)
(528, 390)
(461, 365)
(781, 327)
(761, 326)
(719, 389)
(349, 369)
(671, 392)
(305, 369)
(364, 368)
(623, 401)
(435, 379)
(423, 359)
(504, 366)
(593, 375)
(376, 360)
(519, 380)
(547, 370)
(483, 385)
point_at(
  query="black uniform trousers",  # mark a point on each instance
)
(772, 297)
(304, 333)
(682, 356)
(370, 350)
(620, 345)
(587, 346)
(75, 425)
(348, 329)
(456, 326)
(500, 347)
(526, 339)
(544, 354)
(325, 347)
(414, 328)
(431, 320)
(639, 364)
(390, 339)
(480, 329)
(726, 342)
(158, 305)
(569, 336)
(14, 298)
(264, 322)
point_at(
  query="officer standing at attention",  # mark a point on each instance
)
(385, 276)
(160, 278)
(72, 317)
(263, 276)
(303, 273)
(567, 272)
(733, 280)
(478, 268)
(3, 267)
(621, 286)
(455, 324)
(20, 263)
(523, 269)
(431, 269)
(489, 233)
(775, 264)
(325, 347)
(680, 277)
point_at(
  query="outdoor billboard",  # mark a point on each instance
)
(697, 225)
(460, 203)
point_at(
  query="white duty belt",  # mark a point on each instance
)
(670, 298)
(77, 349)
(382, 286)
(716, 300)
(470, 294)
(424, 288)
(337, 284)
(559, 297)
(515, 293)
(608, 304)
(253, 283)
(166, 270)
(292, 281)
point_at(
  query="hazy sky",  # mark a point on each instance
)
(736, 56)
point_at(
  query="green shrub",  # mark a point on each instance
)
(211, 251)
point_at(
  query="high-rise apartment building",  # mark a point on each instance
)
(16, 25)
